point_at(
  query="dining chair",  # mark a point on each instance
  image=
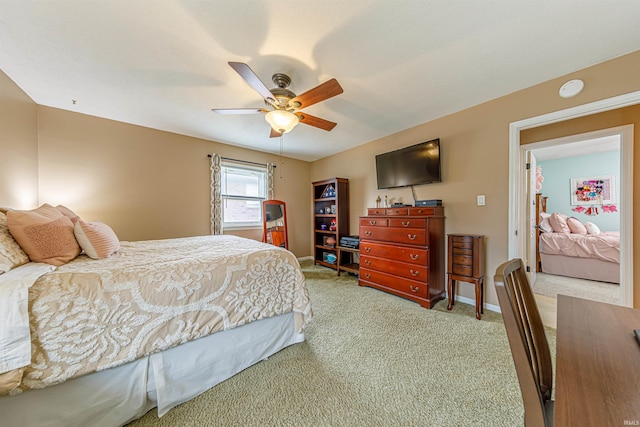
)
(528, 342)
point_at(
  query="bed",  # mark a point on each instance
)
(152, 325)
(567, 247)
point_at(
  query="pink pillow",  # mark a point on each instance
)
(559, 223)
(576, 226)
(68, 213)
(44, 234)
(96, 238)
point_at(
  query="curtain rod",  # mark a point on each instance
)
(242, 161)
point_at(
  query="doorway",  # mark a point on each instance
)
(518, 203)
(559, 161)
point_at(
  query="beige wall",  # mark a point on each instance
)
(475, 145)
(18, 146)
(150, 184)
(145, 183)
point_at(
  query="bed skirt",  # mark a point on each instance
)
(164, 380)
(581, 268)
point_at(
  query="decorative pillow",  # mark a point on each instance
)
(545, 225)
(96, 238)
(576, 226)
(11, 254)
(558, 222)
(68, 213)
(45, 234)
(592, 228)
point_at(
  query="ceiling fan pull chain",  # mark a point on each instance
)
(281, 151)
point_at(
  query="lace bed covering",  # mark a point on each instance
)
(90, 315)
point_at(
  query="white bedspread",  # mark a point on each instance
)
(91, 315)
(15, 339)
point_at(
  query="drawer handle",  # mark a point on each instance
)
(367, 276)
(368, 233)
(372, 222)
(367, 249)
(414, 288)
(414, 273)
(406, 224)
(412, 237)
(368, 262)
(414, 256)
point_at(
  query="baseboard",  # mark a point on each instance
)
(305, 258)
(472, 302)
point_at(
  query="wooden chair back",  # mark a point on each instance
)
(528, 342)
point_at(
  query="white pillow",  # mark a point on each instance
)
(545, 225)
(11, 254)
(592, 228)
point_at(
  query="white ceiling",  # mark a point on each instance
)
(578, 148)
(163, 63)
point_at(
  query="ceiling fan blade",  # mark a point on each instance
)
(310, 120)
(319, 93)
(274, 134)
(253, 80)
(238, 110)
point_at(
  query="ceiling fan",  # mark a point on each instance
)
(282, 105)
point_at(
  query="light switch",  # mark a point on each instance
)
(480, 199)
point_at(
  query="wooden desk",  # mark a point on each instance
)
(597, 364)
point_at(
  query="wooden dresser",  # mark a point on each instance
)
(402, 252)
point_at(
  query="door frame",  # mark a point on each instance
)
(517, 242)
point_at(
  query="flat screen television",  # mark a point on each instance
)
(415, 165)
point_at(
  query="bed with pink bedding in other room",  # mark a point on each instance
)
(584, 256)
(102, 341)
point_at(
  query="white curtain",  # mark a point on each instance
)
(216, 194)
(270, 169)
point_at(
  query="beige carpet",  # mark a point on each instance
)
(551, 285)
(370, 359)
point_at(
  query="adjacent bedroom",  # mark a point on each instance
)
(578, 220)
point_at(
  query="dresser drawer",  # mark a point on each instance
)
(407, 222)
(374, 222)
(462, 245)
(462, 270)
(402, 269)
(422, 211)
(397, 211)
(376, 212)
(409, 236)
(462, 260)
(399, 284)
(462, 251)
(395, 252)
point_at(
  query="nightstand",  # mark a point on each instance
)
(466, 264)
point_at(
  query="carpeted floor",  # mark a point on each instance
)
(551, 285)
(370, 359)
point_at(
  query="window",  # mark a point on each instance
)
(243, 190)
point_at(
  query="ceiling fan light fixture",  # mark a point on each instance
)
(281, 120)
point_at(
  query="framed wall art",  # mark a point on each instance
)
(593, 190)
